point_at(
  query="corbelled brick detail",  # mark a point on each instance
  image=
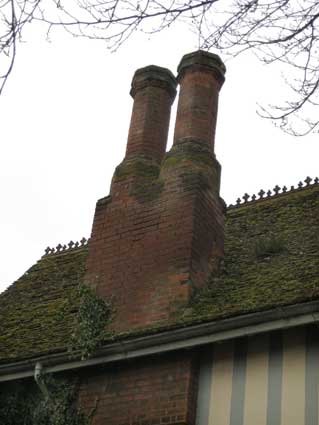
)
(159, 235)
(157, 391)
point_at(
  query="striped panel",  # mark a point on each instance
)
(238, 383)
(274, 391)
(256, 382)
(265, 380)
(293, 378)
(204, 390)
(312, 376)
(221, 384)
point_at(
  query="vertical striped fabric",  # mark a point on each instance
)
(263, 380)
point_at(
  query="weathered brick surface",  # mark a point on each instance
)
(160, 233)
(153, 90)
(201, 76)
(153, 391)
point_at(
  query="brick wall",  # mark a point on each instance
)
(153, 391)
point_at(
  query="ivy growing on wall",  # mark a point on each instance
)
(17, 404)
(92, 317)
(23, 404)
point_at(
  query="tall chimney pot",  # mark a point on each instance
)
(153, 90)
(201, 76)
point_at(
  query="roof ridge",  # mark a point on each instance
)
(63, 248)
(275, 192)
(247, 199)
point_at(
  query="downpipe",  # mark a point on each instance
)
(39, 379)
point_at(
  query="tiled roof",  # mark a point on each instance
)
(271, 257)
(37, 311)
(271, 260)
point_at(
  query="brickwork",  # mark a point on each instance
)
(156, 391)
(153, 90)
(201, 76)
(159, 234)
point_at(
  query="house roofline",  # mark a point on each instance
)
(182, 338)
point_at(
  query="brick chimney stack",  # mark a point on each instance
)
(191, 165)
(153, 90)
(201, 76)
(159, 235)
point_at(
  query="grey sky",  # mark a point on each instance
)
(64, 119)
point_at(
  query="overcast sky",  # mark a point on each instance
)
(64, 120)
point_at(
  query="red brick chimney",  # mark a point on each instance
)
(153, 90)
(201, 75)
(160, 233)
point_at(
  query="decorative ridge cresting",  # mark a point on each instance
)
(59, 249)
(276, 191)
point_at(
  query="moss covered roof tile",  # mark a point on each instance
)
(271, 260)
(37, 311)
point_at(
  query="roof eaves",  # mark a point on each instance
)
(172, 340)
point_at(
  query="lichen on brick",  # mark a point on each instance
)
(143, 174)
(195, 163)
(136, 168)
(189, 150)
(145, 190)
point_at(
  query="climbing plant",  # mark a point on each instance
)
(23, 404)
(17, 404)
(92, 317)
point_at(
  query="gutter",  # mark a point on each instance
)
(167, 341)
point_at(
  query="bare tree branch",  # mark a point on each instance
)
(283, 31)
